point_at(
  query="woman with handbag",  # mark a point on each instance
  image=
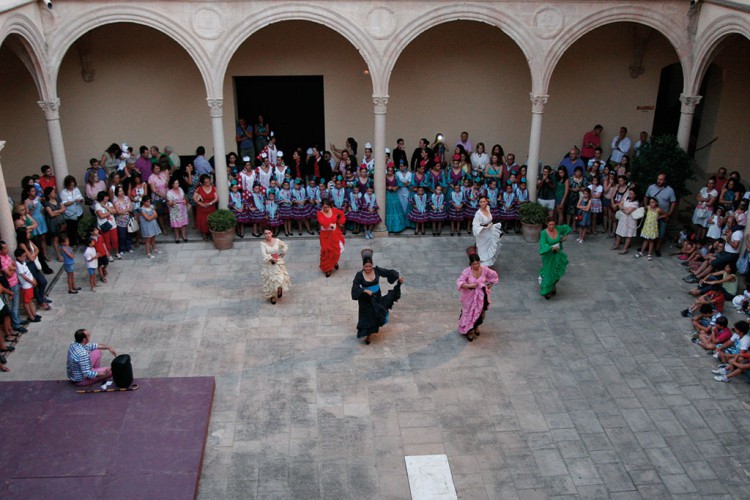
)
(706, 198)
(105, 220)
(627, 225)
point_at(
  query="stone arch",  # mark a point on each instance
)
(639, 14)
(328, 18)
(468, 12)
(706, 46)
(124, 13)
(32, 46)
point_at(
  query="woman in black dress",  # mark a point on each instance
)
(373, 306)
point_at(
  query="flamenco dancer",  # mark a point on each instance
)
(330, 221)
(554, 260)
(474, 284)
(373, 306)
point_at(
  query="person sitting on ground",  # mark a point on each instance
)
(731, 348)
(718, 335)
(84, 360)
(742, 301)
(734, 364)
(713, 297)
(704, 319)
(724, 281)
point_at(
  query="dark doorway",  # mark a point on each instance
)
(292, 105)
(668, 105)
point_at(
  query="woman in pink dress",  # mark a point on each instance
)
(178, 215)
(474, 284)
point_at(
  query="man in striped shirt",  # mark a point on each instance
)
(84, 360)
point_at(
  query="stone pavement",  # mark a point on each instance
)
(596, 393)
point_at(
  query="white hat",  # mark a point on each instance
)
(271, 135)
(280, 154)
(368, 146)
(387, 151)
(246, 159)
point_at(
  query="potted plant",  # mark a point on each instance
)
(222, 223)
(533, 217)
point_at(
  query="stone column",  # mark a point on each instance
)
(7, 229)
(381, 103)
(535, 137)
(57, 149)
(687, 110)
(220, 157)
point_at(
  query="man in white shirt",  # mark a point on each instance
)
(620, 146)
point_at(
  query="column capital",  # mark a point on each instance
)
(216, 107)
(381, 103)
(689, 102)
(537, 102)
(51, 109)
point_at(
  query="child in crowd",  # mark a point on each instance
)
(509, 206)
(284, 200)
(650, 231)
(437, 210)
(522, 192)
(237, 208)
(300, 209)
(369, 215)
(493, 194)
(714, 298)
(719, 334)
(456, 209)
(704, 319)
(734, 354)
(471, 205)
(89, 256)
(102, 253)
(149, 226)
(353, 215)
(69, 263)
(596, 201)
(716, 223)
(419, 214)
(257, 210)
(273, 220)
(584, 214)
(27, 282)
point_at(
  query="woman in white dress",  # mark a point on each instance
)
(627, 226)
(276, 279)
(486, 233)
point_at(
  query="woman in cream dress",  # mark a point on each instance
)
(276, 279)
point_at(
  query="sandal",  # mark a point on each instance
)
(4, 368)
(623, 252)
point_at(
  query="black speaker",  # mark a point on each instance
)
(122, 371)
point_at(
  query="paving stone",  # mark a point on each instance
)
(620, 405)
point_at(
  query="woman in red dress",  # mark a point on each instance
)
(330, 221)
(205, 198)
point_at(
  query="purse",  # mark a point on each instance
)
(106, 227)
(638, 213)
(133, 225)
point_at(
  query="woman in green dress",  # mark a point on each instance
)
(554, 260)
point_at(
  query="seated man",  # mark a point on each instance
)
(84, 360)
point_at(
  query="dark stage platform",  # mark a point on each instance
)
(142, 444)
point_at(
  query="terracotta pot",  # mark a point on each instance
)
(531, 232)
(223, 240)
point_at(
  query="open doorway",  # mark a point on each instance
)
(292, 105)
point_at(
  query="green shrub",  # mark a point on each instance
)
(533, 213)
(662, 154)
(222, 220)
